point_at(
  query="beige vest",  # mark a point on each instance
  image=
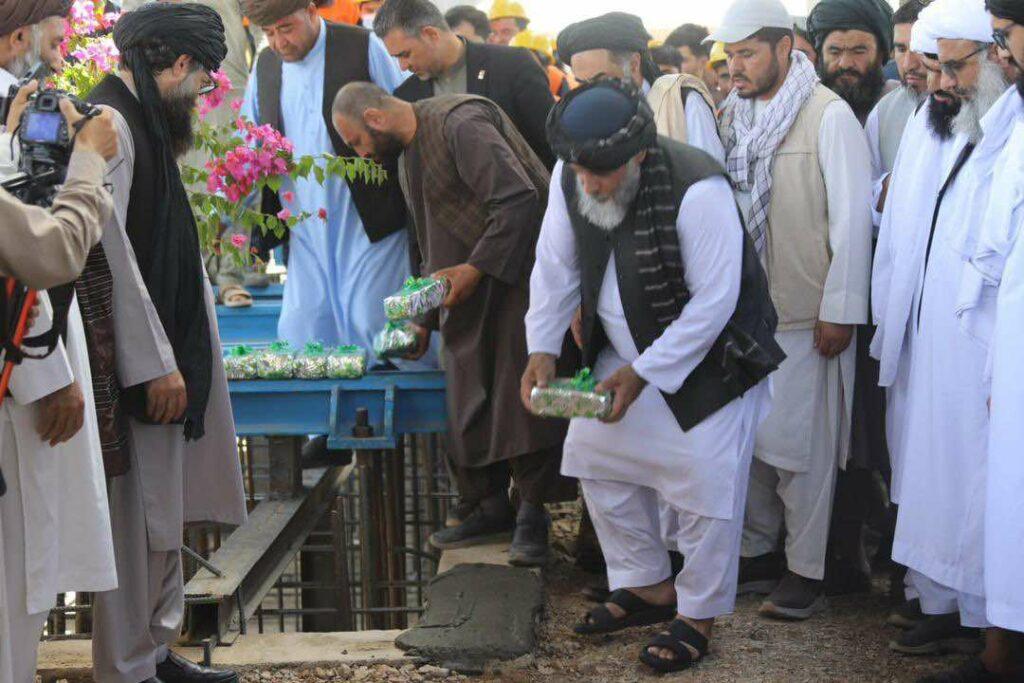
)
(666, 99)
(798, 255)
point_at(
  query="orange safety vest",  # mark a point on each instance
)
(341, 12)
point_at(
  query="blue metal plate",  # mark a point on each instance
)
(397, 402)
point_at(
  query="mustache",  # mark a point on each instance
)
(838, 73)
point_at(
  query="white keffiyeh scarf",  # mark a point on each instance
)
(750, 145)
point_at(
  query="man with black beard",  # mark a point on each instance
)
(182, 463)
(854, 39)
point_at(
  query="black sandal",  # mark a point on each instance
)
(679, 635)
(638, 611)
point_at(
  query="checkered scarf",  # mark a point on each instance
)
(750, 145)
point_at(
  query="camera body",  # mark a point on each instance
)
(45, 144)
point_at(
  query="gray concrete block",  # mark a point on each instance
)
(477, 613)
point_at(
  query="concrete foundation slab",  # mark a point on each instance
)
(476, 613)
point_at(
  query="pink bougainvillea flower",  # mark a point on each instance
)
(288, 196)
(284, 214)
(239, 241)
(322, 213)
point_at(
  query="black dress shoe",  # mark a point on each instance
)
(177, 669)
(937, 635)
(530, 542)
(479, 528)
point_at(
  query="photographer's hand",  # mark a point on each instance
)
(18, 105)
(97, 135)
(61, 414)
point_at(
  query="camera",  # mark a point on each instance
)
(45, 143)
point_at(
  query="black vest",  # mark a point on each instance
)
(381, 207)
(744, 353)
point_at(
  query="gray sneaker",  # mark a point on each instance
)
(938, 634)
(795, 599)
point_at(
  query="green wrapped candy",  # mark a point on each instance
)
(417, 297)
(395, 340)
(346, 362)
(571, 397)
(276, 362)
(311, 363)
(240, 363)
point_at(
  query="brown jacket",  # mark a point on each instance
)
(477, 194)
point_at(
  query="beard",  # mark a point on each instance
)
(386, 147)
(863, 94)
(989, 88)
(178, 106)
(22, 65)
(941, 115)
(608, 213)
(763, 85)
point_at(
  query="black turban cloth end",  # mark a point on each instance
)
(601, 126)
(873, 16)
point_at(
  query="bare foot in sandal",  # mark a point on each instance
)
(628, 607)
(682, 645)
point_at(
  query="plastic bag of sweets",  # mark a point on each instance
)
(419, 295)
(240, 363)
(311, 362)
(395, 340)
(277, 361)
(571, 397)
(346, 362)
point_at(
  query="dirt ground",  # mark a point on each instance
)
(848, 642)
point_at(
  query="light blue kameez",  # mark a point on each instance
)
(337, 279)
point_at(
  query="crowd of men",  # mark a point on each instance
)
(799, 279)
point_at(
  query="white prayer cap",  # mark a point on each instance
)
(922, 40)
(744, 18)
(959, 20)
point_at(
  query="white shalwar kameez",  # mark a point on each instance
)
(806, 437)
(54, 524)
(631, 468)
(992, 312)
(337, 278)
(940, 526)
(922, 164)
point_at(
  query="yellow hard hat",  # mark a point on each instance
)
(717, 54)
(534, 41)
(507, 9)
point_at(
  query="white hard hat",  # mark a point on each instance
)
(744, 18)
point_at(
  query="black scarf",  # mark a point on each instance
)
(658, 255)
(168, 248)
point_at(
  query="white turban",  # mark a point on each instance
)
(959, 20)
(922, 39)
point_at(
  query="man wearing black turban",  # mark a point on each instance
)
(23, 24)
(854, 41)
(182, 461)
(644, 233)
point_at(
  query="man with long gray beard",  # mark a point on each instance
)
(929, 150)
(643, 233)
(939, 528)
(182, 457)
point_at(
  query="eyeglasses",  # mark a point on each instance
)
(1001, 37)
(209, 87)
(954, 67)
